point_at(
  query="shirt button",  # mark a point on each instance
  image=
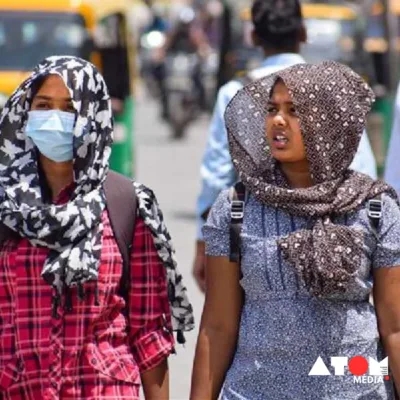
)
(54, 384)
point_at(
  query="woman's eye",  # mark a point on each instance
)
(41, 106)
(70, 108)
(293, 110)
(271, 110)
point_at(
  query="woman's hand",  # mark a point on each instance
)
(387, 305)
(219, 328)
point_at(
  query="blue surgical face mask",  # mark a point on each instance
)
(52, 132)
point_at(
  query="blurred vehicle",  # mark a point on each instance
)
(95, 30)
(152, 40)
(114, 42)
(186, 72)
(335, 32)
(151, 43)
(196, 31)
(182, 92)
(29, 32)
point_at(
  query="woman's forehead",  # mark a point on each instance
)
(280, 92)
(53, 85)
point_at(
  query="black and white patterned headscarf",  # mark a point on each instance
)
(332, 103)
(73, 231)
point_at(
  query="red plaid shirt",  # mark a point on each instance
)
(84, 353)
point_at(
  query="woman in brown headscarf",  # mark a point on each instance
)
(311, 246)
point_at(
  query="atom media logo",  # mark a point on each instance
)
(363, 370)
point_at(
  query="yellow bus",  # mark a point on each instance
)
(31, 30)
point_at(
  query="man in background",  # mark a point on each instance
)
(392, 171)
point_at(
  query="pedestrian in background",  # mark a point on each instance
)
(74, 322)
(392, 170)
(279, 31)
(317, 238)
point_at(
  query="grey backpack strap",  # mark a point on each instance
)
(122, 209)
(238, 198)
(374, 211)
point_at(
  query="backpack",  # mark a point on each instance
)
(122, 205)
(238, 197)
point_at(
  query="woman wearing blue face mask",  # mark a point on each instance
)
(67, 329)
(50, 125)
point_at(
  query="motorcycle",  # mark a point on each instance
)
(190, 88)
(150, 43)
(183, 93)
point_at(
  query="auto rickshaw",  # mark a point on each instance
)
(114, 43)
(336, 32)
(96, 30)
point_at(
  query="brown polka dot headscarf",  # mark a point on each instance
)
(332, 102)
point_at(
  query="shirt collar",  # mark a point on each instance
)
(283, 59)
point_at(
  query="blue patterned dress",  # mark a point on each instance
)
(283, 329)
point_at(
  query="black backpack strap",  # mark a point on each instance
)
(374, 211)
(122, 208)
(6, 233)
(3, 234)
(238, 198)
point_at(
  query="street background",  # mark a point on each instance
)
(171, 169)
